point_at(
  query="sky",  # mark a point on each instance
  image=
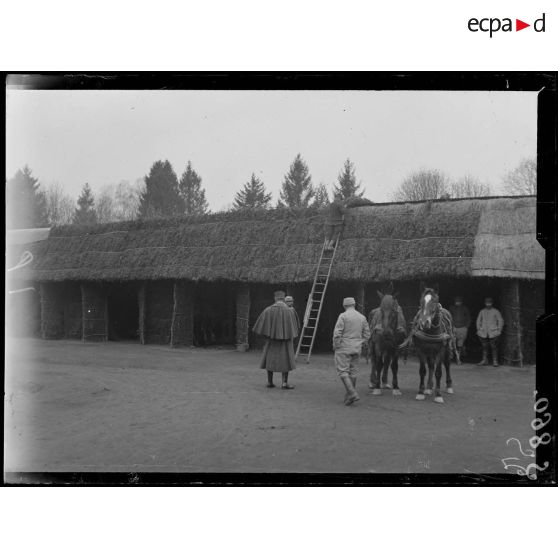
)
(103, 137)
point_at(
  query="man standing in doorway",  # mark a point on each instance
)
(489, 328)
(277, 323)
(461, 322)
(351, 331)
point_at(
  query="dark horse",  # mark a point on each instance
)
(384, 345)
(432, 335)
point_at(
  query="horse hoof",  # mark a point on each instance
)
(420, 397)
(376, 392)
(449, 390)
(396, 392)
(427, 392)
(438, 399)
(387, 386)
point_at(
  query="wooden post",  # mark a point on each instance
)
(518, 323)
(182, 322)
(83, 312)
(360, 298)
(511, 312)
(242, 317)
(141, 309)
(174, 335)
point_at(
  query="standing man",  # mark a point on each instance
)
(351, 331)
(277, 323)
(461, 322)
(289, 301)
(335, 221)
(489, 328)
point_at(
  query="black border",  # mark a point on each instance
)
(547, 232)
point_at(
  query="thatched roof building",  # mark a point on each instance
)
(455, 238)
(242, 256)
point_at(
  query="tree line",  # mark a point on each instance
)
(162, 194)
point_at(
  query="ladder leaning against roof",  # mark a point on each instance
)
(315, 301)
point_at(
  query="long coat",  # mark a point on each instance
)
(278, 324)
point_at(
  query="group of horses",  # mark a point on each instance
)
(430, 333)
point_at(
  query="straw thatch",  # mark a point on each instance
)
(506, 245)
(380, 242)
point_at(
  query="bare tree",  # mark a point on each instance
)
(425, 184)
(469, 187)
(105, 206)
(119, 202)
(522, 180)
(60, 206)
(127, 197)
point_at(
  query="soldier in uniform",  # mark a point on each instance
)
(289, 301)
(461, 322)
(335, 221)
(351, 331)
(489, 328)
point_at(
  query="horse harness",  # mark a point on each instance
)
(445, 327)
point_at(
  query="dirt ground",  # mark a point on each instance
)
(71, 406)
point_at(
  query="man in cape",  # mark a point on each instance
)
(277, 323)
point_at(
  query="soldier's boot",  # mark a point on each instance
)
(354, 382)
(495, 357)
(484, 360)
(352, 395)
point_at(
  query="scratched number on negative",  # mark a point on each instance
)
(530, 471)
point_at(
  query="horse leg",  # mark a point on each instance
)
(430, 383)
(394, 370)
(372, 380)
(447, 364)
(422, 373)
(387, 362)
(377, 376)
(438, 394)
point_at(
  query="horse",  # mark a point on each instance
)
(432, 335)
(384, 345)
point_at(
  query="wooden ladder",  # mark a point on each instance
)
(315, 301)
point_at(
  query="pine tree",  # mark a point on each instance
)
(191, 192)
(161, 197)
(25, 201)
(297, 191)
(85, 213)
(252, 196)
(321, 197)
(348, 187)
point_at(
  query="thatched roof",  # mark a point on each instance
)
(494, 237)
